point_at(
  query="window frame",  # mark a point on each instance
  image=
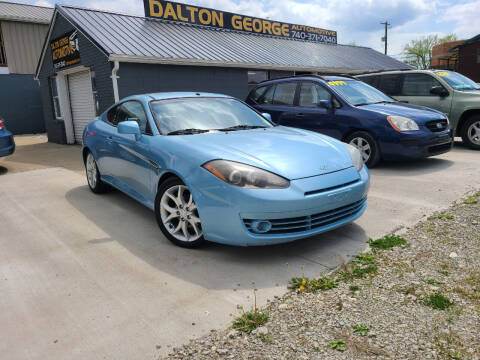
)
(3, 54)
(117, 106)
(57, 108)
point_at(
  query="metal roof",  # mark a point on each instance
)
(25, 13)
(138, 39)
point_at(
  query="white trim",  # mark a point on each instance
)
(116, 66)
(64, 97)
(217, 63)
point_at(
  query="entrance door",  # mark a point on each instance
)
(81, 102)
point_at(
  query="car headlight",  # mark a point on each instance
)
(401, 123)
(245, 176)
(356, 156)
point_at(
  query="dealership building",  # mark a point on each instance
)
(91, 58)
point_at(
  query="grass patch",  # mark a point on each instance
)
(433, 282)
(312, 285)
(429, 229)
(361, 272)
(470, 201)
(250, 320)
(266, 338)
(444, 217)
(387, 242)
(364, 259)
(361, 329)
(338, 344)
(438, 301)
(354, 288)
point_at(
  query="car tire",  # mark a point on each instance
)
(93, 176)
(177, 214)
(471, 132)
(367, 145)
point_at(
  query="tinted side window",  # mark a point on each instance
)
(285, 94)
(258, 93)
(418, 85)
(133, 110)
(311, 94)
(390, 84)
(267, 97)
(370, 80)
(111, 116)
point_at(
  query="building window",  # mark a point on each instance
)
(55, 99)
(3, 57)
(254, 77)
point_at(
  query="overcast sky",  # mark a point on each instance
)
(355, 20)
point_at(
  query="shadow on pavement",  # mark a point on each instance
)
(213, 266)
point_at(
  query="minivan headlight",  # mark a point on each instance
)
(401, 123)
(356, 156)
(246, 176)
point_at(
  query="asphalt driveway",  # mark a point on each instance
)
(84, 276)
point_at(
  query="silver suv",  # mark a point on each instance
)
(443, 90)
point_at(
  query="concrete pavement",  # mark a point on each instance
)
(84, 276)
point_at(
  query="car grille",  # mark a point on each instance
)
(305, 223)
(437, 125)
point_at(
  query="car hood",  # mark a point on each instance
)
(291, 153)
(415, 112)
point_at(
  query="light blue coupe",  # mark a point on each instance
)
(212, 168)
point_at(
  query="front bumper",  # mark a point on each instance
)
(416, 145)
(308, 207)
(7, 144)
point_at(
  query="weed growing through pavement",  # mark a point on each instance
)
(338, 344)
(470, 201)
(443, 217)
(438, 301)
(250, 320)
(354, 288)
(387, 242)
(312, 285)
(364, 259)
(266, 338)
(361, 329)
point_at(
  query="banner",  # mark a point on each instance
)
(65, 50)
(168, 10)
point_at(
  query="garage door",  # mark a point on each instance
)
(81, 102)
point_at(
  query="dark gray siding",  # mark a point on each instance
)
(146, 78)
(91, 57)
(275, 74)
(20, 104)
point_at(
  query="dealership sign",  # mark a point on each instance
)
(168, 10)
(65, 50)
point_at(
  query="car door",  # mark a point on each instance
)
(278, 100)
(132, 166)
(308, 115)
(416, 90)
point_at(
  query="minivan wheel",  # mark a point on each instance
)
(93, 176)
(471, 132)
(367, 146)
(177, 214)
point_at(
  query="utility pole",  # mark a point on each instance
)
(385, 38)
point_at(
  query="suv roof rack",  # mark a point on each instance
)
(294, 76)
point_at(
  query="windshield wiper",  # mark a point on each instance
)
(242, 127)
(188, 131)
(376, 102)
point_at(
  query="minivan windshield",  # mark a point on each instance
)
(457, 81)
(183, 116)
(358, 93)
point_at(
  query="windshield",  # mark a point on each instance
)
(195, 115)
(457, 81)
(358, 93)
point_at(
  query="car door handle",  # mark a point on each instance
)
(300, 115)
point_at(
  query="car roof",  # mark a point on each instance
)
(174, 95)
(429, 71)
(323, 78)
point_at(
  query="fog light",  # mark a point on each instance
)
(261, 226)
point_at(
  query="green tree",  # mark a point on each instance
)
(418, 52)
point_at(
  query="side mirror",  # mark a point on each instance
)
(439, 90)
(326, 104)
(267, 116)
(129, 127)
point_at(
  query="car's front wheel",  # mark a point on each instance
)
(471, 132)
(367, 146)
(177, 214)
(93, 176)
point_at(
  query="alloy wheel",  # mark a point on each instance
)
(179, 214)
(91, 171)
(363, 146)
(473, 133)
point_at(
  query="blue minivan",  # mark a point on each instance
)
(356, 113)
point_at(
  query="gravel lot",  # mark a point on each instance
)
(419, 300)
